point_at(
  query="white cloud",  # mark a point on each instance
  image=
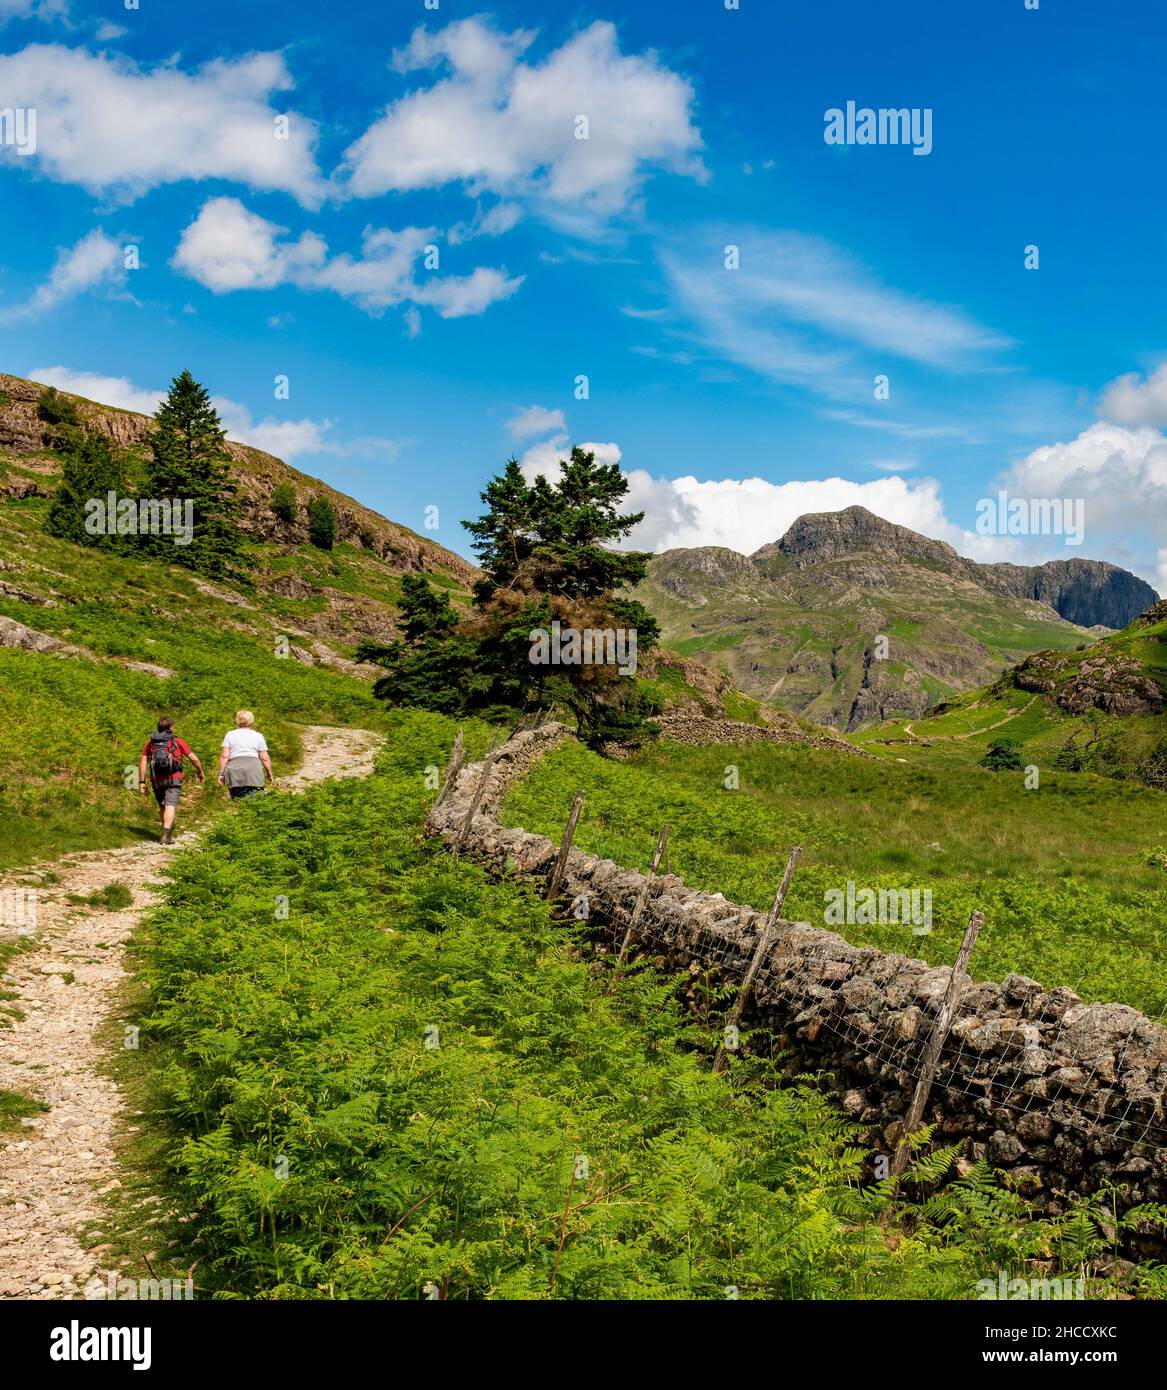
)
(799, 311)
(605, 453)
(745, 513)
(535, 419)
(412, 321)
(94, 263)
(117, 391)
(115, 128)
(500, 124)
(1133, 400)
(229, 248)
(287, 439)
(28, 9)
(1121, 475)
(499, 220)
(545, 457)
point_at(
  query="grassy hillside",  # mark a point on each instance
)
(417, 1084)
(1071, 876)
(76, 721)
(1098, 708)
(849, 619)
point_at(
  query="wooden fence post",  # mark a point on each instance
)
(561, 858)
(642, 898)
(930, 1057)
(477, 798)
(453, 767)
(764, 942)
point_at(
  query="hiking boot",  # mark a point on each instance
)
(168, 837)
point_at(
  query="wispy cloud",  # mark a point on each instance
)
(228, 248)
(95, 263)
(535, 419)
(799, 311)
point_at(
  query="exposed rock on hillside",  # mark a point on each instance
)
(24, 435)
(849, 618)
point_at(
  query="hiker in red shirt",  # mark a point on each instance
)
(163, 755)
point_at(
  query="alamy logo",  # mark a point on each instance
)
(851, 906)
(889, 125)
(77, 1343)
(18, 128)
(112, 515)
(1032, 516)
(1005, 1288)
(18, 909)
(593, 646)
(112, 1285)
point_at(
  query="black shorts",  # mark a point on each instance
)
(238, 792)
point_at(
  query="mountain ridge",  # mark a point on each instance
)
(848, 618)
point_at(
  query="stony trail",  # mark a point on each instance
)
(55, 1172)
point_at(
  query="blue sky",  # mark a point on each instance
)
(734, 399)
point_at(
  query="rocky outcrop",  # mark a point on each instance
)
(1090, 593)
(1064, 1096)
(256, 474)
(27, 639)
(1084, 592)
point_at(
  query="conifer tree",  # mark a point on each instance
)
(547, 557)
(92, 469)
(190, 461)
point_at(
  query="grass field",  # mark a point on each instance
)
(77, 724)
(1065, 873)
(416, 1083)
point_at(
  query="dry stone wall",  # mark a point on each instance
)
(1064, 1095)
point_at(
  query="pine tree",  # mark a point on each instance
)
(429, 665)
(92, 469)
(546, 553)
(190, 462)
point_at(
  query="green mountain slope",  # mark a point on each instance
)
(95, 645)
(800, 622)
(1100, 708)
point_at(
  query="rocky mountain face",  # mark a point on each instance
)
(849, 618)
(27, 469)
(1114, 676)
(1087, 593)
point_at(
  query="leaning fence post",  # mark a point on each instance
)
(930, 1057)
(642, 897)
(561, 858)
(764, 942)
(478, 791)
(453, 767)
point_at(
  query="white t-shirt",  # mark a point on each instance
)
(244, 743)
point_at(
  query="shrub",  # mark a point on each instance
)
(56, 409)
(321, 523)
(1003, 756)
(284, 503)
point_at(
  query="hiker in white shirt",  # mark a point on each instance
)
(244, 764)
